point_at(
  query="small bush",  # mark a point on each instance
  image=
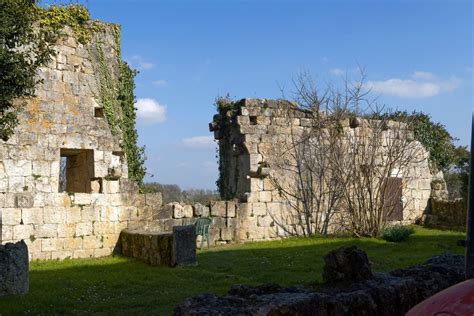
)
(396, 233)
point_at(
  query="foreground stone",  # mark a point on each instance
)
(391, 293)
(346, 264)
(161, 249)
(14, 269)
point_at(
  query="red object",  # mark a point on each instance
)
(455, 300)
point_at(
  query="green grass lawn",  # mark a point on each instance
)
(117, 285)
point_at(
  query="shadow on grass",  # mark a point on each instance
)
(118, 285)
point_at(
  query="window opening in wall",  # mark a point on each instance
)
(99, 112)
(253, 120)
(76, 170)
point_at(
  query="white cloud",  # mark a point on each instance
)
(420, 84)
(149, 111)
(324, 60)
(138, 62)
(337, 72)
(160, 83)
(424, 75)
(199, 142)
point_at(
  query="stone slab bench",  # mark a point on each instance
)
(169, 249)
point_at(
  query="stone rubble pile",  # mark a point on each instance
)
(391, 293)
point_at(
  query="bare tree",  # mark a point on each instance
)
(305, 169)
(348, 165)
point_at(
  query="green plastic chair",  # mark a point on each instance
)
(202, 228)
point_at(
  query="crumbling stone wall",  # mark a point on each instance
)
(63, 119)
(248, 134)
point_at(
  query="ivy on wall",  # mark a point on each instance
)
(54, 18)
(225, 106)
(118, 102)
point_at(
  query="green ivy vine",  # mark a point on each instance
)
(118, 102)
(54, 18)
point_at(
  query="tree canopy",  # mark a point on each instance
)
(22, 51)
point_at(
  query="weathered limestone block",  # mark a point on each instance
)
(23, 200)
(22, 231)
(32, 215)
(201, 210)
(265, 196)
(219, 208)
(259, 209)
(265, 221)
(10, 216)
(178, 210)
(227, 234)
(187, 211)
(219, 222)
(45, 231)
(14, 278)
(231, 207)
(154, 200)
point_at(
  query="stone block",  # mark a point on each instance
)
(265, 221)
(219, 208)
(91, 242)
(178, 210)
(22, 232)
(259, 209)
(10, 216)
(51, 244)
(14, 277)
(66, 230)
(243, 210)
(187, 211)
(111, 186)
(184, 245)
(90, 214)
(265, 196)
(84, 229)
(231, 206)
(82, 198)
(214, 235)
(32, 215)
(227, 234)
(201, 210)
(256, 184)
(164, 212)
(219, 222)
(154, 200)
(72, 243)
(73, 215)
(46, 231)
(24, 200)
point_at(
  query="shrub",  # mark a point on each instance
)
(396, 233)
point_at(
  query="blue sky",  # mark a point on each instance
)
(417, 55)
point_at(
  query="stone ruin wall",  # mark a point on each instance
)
(85, 218)
(247, 138)
(64, 119)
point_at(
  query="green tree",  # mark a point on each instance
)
(22, 51)
(457, 177)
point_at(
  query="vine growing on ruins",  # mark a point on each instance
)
(224, 106)
(118, 102)
(54, 18)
